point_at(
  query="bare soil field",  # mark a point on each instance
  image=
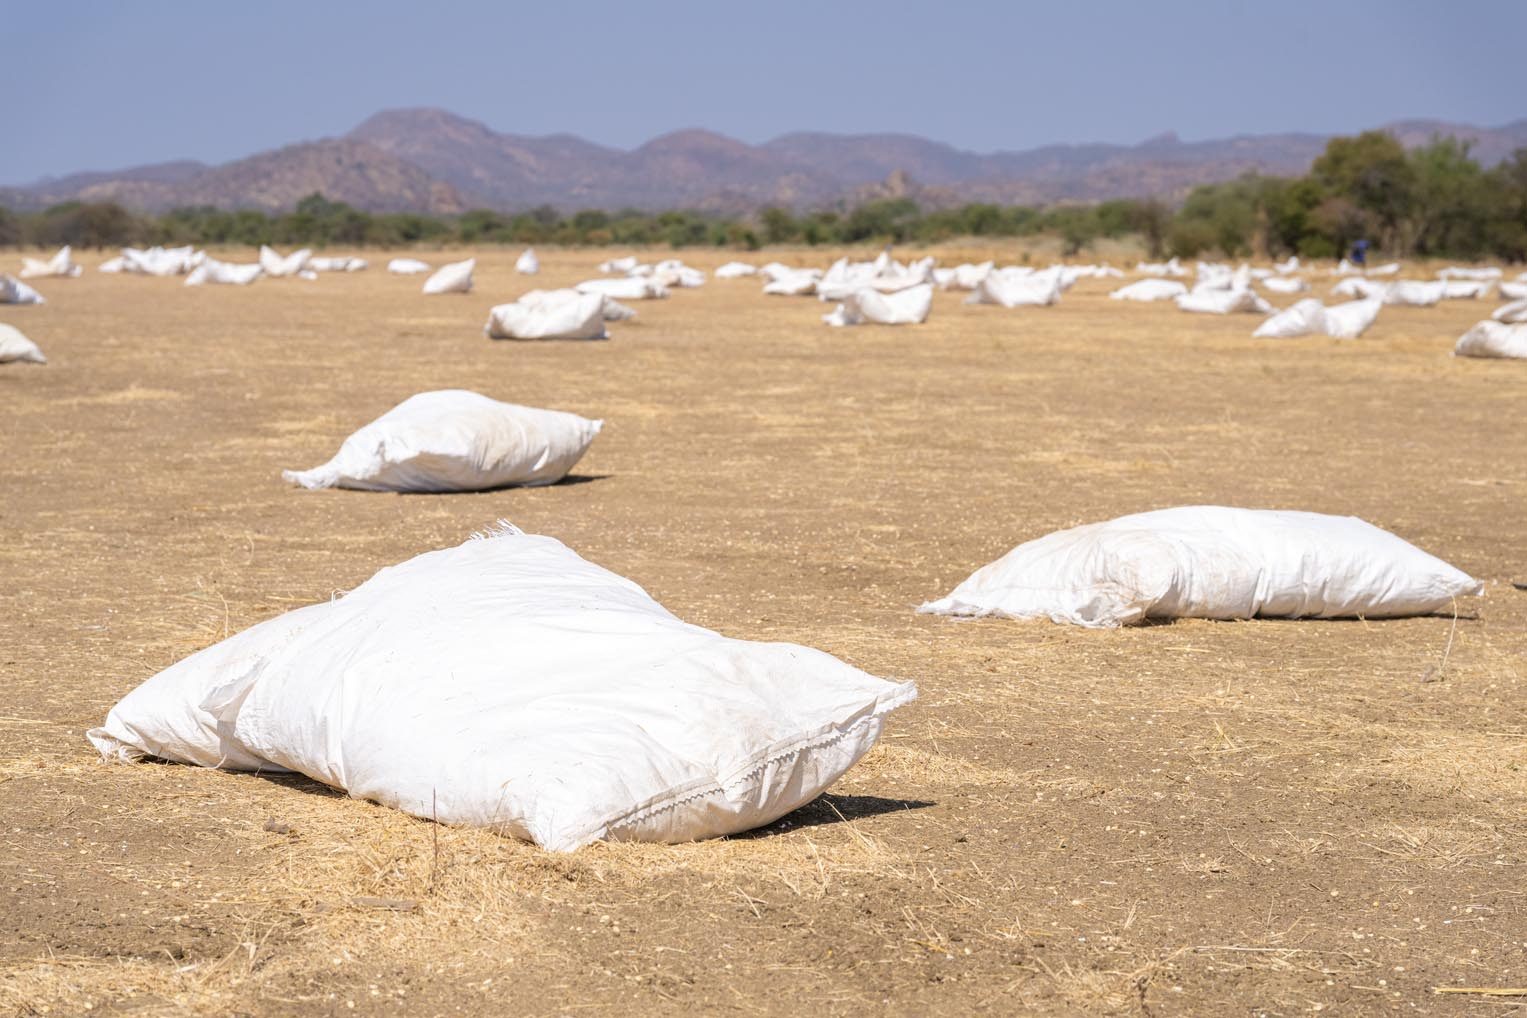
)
(1259, 818)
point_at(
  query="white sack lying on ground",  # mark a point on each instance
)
(1464, 289)
(1285, 284)
(1223, 302)
(508, 683)
(1287, 268)
(1210, 562)
(1171, 268)
(1411, 293)
(277, 266)
(551, 314)
(619, 264)
(1514, 312)
(407, 266)
(213, 271)
(16, 347)
(1493, 339)
(454, 440)
(1013, 289)
(1513, 291)
(61, 264)
(1357, 286)
(1388, 269)
(14, 291)
(735, 270)
(455, 277)
(527, 264)
(612, 311)
(904, 307)
(801, 283)
(1149, 290)
(160, 261)
(1345, 268)
(962, 277)
(628, 288)
(1456, 272)
(1309, 316)
(338, 263)
(112, 266)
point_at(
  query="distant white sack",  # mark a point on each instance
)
(904, 307)
(735, 270)
(1480, 275)
(1493, 339)
(1013, 289)
(277, 266)
(61, 265)
(549, 314)
(337, 263)
(627, 288)
(1311, 317)
(15, 347)
(1210, 562)
(213, 271)
(1465, 289)
(1388, 269)
(1285, 284)
(1150, 290)
(455, 440)
(1413, 293)
(14, 291)
(455, 277)
(618, 264)
(407, 266)
(527, 264)
(1512, 313)
(1513, 291)
(1357, 286)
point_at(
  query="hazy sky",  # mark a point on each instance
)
(106, 85)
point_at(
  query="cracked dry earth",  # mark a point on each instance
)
(1198, 818)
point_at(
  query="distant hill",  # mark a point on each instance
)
(430, 160)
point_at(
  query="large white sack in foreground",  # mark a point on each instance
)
(1493, 339)
(1516, 311)
(1210, 562)
(14, 291)
(1149, 290)
(454, 440)
(1223, 302)
(455, 277)
(735, 270)
(275, 265)
(904, 307)
(16, 347)
(61, 264)
(557, 314)
(1343, 321)
(407, 266)
(527, 264)
(629, 288)
(508, 683)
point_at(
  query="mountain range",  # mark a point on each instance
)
(433, 161)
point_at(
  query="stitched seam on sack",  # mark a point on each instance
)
(762, 762)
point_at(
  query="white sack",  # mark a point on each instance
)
(160, 261)
(1514, 312)
(618, 264)
(454, 440)
(14, 291)
(407, 266)
(1454, 272)
(61, 264)
(277, 266)
(1011, 289)
(1309, 316)
(1493, 339)
(962, 277)
(1150, 290)
(794, 284)
(1513, 291)
(1223, 302)
(337, 263)
(904, 307)
(1171, 268)
(628, 288)
(455, 277)
(1210, 562)
(1357, 286)
(555, 314)
(1285, 284)
(112, 265)
(1388, 269)
(16, 347)
(1410, 293)
(508, 683)
(735, 270)
(1289, 267)
(527, 264)
(213, 271)
(1464, 289)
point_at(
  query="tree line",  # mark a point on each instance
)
(1435, 200)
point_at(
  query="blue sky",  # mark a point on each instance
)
(98, 85)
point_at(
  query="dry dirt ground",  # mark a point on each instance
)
(1199, 818)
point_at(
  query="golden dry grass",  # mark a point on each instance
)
(1187, 819)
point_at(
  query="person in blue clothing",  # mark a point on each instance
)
(1360, 253)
